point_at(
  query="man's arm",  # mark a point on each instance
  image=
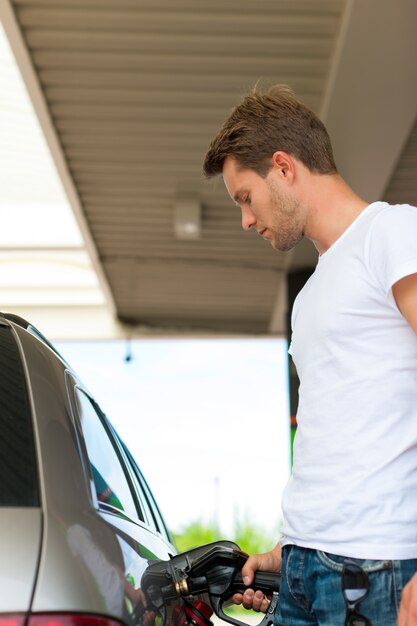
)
(405, 294)
(408, 609)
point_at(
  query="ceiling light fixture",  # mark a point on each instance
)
(187, 219)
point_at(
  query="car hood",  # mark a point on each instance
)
(20, 543)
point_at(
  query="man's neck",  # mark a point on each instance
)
(332, 207)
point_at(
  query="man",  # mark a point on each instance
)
(353, 490)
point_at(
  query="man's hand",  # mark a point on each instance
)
(268, 562)
(408, 608)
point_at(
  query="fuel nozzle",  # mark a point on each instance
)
(213, 569)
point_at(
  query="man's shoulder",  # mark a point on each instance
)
(392, 217)
(390, 244)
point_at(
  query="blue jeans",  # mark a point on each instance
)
(311, 589)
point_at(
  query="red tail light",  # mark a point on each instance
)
(57, 619)
(12, 619)
(69, 619)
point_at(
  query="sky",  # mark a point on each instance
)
(206, 419)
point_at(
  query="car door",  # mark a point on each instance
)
(118, 494)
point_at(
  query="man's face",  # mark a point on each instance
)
(266, 205)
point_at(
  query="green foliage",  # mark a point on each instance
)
(250, 537)
(196, 534)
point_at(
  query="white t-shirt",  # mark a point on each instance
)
(353, 489)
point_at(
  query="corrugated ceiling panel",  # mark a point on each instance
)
(402, 187)
(136, 90)
(195, 290)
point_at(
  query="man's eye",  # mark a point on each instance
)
(246, 199)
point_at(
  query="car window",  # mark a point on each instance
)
(18, 468)
(112, 488)
(146, 495)
(149, 515)
(146, 514)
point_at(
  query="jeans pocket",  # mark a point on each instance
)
(335, 562)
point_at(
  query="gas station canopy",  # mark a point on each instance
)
(128, 94)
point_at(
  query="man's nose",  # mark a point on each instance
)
(248, 219)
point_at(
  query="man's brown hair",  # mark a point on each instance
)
(264, 123)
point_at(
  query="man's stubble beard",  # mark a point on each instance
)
(287, 227)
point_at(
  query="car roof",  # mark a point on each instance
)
(20, 321)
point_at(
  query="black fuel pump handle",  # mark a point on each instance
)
(217, 604)
(267, 582)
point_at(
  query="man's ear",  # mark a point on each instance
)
(284, 165)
